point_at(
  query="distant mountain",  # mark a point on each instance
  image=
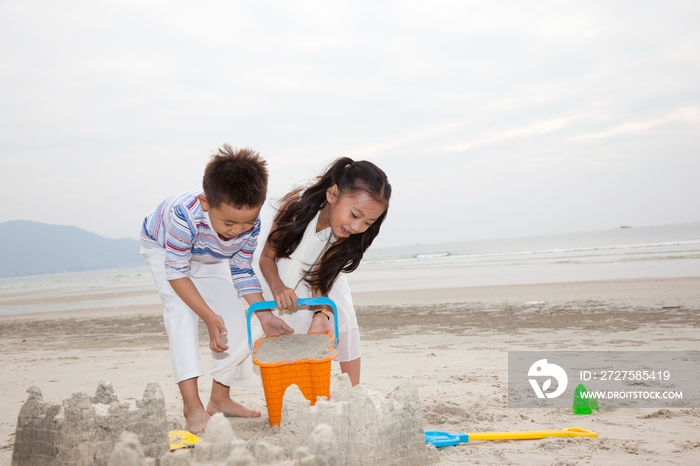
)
(33, 248)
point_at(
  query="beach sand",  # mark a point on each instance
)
(452, 343)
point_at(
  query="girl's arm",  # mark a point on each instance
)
(272, 325)
(285, 297)
(321, 321)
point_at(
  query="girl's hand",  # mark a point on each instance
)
(285, 298)
(272, 325)
(321, 324)
(216, 329)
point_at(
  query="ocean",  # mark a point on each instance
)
(620, 253)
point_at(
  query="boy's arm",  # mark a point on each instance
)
(241, 264)
(248, 286)
(186, 290)
(179, 238)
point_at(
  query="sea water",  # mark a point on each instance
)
(78, 291)
(619, 253)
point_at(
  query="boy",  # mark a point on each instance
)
(199, 246)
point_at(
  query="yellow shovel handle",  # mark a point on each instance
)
(533, 434)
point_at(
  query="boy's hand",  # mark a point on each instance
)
(216, 329)
(272, 325)
(186, 290)
(285, 297)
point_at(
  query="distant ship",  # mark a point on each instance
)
(625, 226)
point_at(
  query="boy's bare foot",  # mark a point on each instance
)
(197, 420)
(230, 408)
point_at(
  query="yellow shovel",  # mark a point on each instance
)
(446, 439)
(182, 439)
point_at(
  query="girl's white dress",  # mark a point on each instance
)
(291, 271)
(240, 371)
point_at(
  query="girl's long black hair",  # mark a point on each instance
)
(297, 211)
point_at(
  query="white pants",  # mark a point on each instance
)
(214, 283)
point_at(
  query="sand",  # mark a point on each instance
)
(451, 343)
(293, 348)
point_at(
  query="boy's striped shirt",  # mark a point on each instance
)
(182, 227)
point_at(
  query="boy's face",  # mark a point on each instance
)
(228, 221)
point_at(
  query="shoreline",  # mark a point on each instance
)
(683, 290)
(143, 300)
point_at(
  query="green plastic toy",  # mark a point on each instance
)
(583, 404)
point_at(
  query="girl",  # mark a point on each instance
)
(318, 233)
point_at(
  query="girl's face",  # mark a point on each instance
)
(351, 214)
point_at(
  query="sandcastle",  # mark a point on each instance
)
(83, 430)
(220, 447)
(368, 428)
(357, 427)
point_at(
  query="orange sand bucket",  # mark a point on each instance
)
(312, 376)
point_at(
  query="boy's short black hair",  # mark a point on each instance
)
(236, 177)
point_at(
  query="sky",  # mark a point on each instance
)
(491, 118)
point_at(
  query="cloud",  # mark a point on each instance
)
(543, 127)
(485, 115)
(688, 115)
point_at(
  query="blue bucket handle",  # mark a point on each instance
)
(264, 305)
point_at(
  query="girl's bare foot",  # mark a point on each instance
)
(196, 420)
(230, 408)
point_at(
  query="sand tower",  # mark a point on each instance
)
(367, 427)
(83, 430)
